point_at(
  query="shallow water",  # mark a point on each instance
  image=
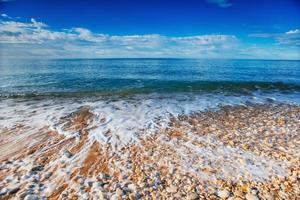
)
(134, 94)
(106, 77)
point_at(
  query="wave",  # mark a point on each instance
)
(127, 87)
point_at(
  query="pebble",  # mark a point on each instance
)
(119, 192)
(172, 189)
(32, 197)
(104, 176)
(268, 196)
(192, 196)
(250, 196)
(68, 154)
(48, 175)
(85, 196)
(37, 168)
(13, 190)
(132, 187)
(223, 194)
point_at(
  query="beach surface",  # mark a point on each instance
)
(243, 151)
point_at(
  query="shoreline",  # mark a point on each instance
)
(237, 152)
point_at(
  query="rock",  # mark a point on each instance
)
(119, 192)
(293, 178)
(192, 196)
(172, 189)
(31, 186)
(100, 195)
(114, 197)
(3, 193)
(223, 194)
(177, 195)
(81, 181)
(48, 175)
(36, 169)
(29, 191)
(237, 198)
(104, 176)
(64, 194)
(268, 196)
(68, 154)
(238, 193)
(32, 197)
(131, 187)
(250, 196)
(254, 191)
(85, 196)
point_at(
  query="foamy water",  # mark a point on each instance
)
(124, 118)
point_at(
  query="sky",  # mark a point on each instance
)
(221, 29)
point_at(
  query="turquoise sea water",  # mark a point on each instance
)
(105, 77)
(136, 94)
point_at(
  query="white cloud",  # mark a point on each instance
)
(290, 38)
(4, 15)
(296, 31)
(221, 3)
(81, 42)
(36, 39)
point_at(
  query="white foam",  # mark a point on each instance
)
(120, 121)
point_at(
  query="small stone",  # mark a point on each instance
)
(32, 197)
(100, 195)
(114, 197)
(223, 193)
(268, 196)
(119, 192)
(192, 196)
(254, 191)
(68, 154)
(177, 195)
(13, 190)
(31, 186)
(238, 198)
(172, 189)
(250, 196)
(85, 196)
(104, 176)
(238, 193)
(90, 183)
(3, 193)
(131, 187)
(36, 169)
(81, 181)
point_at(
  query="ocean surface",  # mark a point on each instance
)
(130, 95)
(126, 77)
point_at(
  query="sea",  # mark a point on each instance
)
(136, 94)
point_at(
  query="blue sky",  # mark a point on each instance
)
(255, 29)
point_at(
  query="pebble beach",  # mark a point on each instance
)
(232, 152)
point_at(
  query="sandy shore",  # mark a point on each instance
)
(241, 152)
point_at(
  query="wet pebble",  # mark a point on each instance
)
(250, 196)
(172, 189)
(192, 196)
(223, 193)
(68, 154)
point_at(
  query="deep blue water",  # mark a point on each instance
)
(135, 76)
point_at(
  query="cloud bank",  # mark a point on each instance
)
(34, 39)
(290, 38)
